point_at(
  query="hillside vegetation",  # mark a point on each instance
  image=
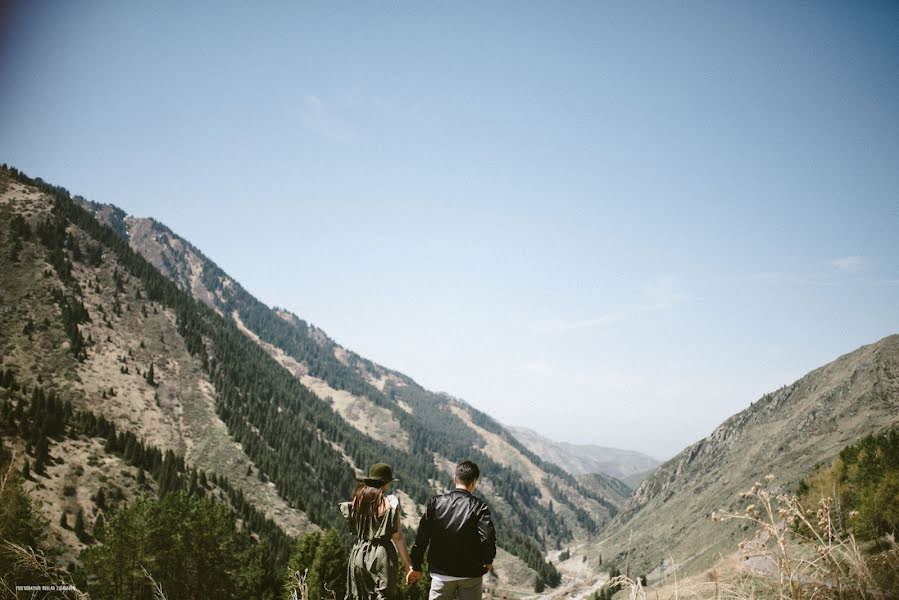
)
(199, 369)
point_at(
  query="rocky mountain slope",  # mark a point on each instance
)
(580, 459)
(785, 433)
(377, 401)
(121, 317)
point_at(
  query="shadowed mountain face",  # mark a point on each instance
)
(166, 345)
(785, 433)
(581, 459)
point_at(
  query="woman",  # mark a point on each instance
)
(374, 516)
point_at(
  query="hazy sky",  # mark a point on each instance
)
(615, 223)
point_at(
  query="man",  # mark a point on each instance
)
(459, 530)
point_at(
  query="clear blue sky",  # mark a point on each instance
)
(616, 223)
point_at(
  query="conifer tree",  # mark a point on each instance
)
(328, 573)
(99, 524)
(79, 525)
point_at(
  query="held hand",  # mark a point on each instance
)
(412, 576)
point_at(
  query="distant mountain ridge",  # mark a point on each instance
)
(581, 459)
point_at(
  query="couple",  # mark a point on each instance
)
(457, 526)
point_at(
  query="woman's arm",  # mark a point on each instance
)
(399, 540)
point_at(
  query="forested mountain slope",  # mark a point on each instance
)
(131, 323)
(378, 401)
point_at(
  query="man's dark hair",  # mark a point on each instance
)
(467, 472)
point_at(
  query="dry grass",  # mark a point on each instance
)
(297, 587)
(23, 560)
(793, 554)
(800, 554)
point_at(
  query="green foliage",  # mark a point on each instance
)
(79, 526)
(46, 414)
(20, 522)
(865, 478)
(864, 483)
(322, 557)
(328, 572)
(191, 546)
(99, 525)
(291, 435)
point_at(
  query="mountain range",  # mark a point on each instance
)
(165, 360)
(249, 392)
(628, 466)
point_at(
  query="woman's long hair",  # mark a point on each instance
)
(366, 505)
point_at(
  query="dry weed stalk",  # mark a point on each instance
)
(634, 588)
(27, 559)
(297, 586)
(158, 594)
(811, 555)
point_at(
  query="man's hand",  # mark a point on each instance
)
(412, 576)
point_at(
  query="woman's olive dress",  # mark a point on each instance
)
(372, 568)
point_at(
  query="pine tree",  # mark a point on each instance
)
(149, 375)
(63, 521)
(79, 525)
(99, 524)
(302, 557)
(26, 470)
(328, 573)
(41, 456)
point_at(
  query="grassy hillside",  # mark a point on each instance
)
(785, 433)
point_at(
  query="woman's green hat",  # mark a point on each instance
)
(378, 475)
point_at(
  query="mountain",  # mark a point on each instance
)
(614, 490)
(785, 433)
(122, 319)
(580, 459)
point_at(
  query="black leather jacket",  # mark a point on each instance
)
(459, 530)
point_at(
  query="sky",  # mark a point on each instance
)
(613, 223)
